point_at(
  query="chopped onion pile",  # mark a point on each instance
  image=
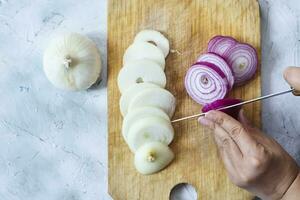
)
(221, 103)
(226, 63)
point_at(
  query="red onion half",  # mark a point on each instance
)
(243, 60)
(220, 44)
(206, 83)
(223, 103)
(221, 63)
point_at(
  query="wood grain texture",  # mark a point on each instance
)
(188, 25)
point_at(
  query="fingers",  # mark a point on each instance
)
(206, 122)
(292, 76)
(226, 144)
(228, 149)
(232, 128)
(230, 160)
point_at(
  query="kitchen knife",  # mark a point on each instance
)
(292, 90)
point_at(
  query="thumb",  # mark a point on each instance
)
(292, 76)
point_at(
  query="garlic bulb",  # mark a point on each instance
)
(152, 157)
(72, 62)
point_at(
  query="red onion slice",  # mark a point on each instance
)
(221, 63)
(243, 60)
(223, 103)
(216, 69)
(205, 84)
(220, 44)
(213, 40)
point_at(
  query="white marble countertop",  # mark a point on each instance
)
(53, 144)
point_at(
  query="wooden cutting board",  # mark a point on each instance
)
(188, 24)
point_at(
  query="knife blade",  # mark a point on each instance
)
(292, 90)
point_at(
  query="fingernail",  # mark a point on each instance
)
(204, 121)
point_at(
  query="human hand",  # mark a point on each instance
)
(292, 76)
(253, 161)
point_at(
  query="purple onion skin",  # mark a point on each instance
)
(233, 112)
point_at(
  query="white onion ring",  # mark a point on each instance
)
(156, 37)
(144, 50)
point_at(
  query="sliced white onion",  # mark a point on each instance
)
(140, 113)
(152, 157)
(141, 71)
(156, 37)
(144, 50)
(130, 93)
(149, 129)
(155, 97)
